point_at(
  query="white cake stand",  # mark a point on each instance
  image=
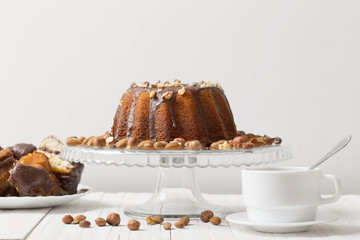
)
(177, 192)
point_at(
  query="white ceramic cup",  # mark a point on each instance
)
(283, 195)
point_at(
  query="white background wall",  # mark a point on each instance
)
(289, 68)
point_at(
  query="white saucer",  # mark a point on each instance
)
(41, 202)
(241, 219)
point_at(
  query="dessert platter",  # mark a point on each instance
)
(32, 177)
(175, 127)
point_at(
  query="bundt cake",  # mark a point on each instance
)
(165, 111)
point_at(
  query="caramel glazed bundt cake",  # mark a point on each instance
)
(166, 111)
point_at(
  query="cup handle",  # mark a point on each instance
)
(337, 194)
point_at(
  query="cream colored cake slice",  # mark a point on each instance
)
(51, 147)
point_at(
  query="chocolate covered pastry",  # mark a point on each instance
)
(32, 176)
(68, 174)
(70, 181)
(22, 149)
(7, 162)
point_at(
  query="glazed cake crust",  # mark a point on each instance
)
(160, 112)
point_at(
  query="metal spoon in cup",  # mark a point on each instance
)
(337, 148)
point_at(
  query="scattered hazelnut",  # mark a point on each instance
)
(195, 145)
(240, 133)
(132, 143)
(173, 146)
(181, 141)
(185, 220)
(268, 140)
(121, 103)
(250, 135)
(122, 144)
(157, 219)
(179, 224)
(215, 145)
(73, 141)
(160, 145)
(206, 215)
(215, 220)
(146, 145)
(167, 226)
(133, 225)
(152, 94)
(84, 224)
(224, 146)
(81, 139)
(86, 140)
(149, 221)
(159, 90)
(238, 141)
(67, 219)
(193, 84)
(78, 219)
(113, 219)
(257, 141)
(277, 140)
(100, 222)
(91, 141)
(99, 142)
(248, 145)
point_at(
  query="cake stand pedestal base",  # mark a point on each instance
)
(176, 195)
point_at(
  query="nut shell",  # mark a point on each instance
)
(206, 215)
(113, 219)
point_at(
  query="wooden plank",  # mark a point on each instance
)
(52, 227)
(99, 204)
(18, 224)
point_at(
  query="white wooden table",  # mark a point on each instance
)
(47, 223)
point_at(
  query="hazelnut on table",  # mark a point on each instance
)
(100, 222)
(78, 219)
(206, 215)
(113, 219)
(133, 225)
(67, 219)
(84, 224)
